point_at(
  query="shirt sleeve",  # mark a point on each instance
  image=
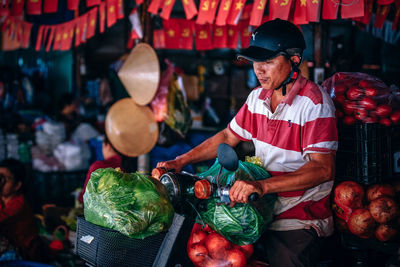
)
(319, 132)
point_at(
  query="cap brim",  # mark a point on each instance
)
(257, 54)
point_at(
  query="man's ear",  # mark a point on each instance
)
(295, 59)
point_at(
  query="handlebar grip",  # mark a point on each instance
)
(254, 197)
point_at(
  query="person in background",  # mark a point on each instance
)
(68, 113)
(291, 122)
(18, 227)
(112, 159)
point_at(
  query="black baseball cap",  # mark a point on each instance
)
(272, 39)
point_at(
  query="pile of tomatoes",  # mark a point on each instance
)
(362, 97)
(208, 248)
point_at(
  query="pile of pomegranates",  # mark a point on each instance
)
(368, 212)
(206, 247)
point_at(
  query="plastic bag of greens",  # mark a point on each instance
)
(131, 203)
(244, 223)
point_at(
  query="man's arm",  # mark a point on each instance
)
(205, 151)
(320, 169)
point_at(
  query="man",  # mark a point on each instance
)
(292, 125)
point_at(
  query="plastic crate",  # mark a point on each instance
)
(368, 153)
(101, 246)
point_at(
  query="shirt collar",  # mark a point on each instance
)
(297, 86)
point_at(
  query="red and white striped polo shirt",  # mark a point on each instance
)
(304, 123)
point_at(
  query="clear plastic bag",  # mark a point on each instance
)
(363, 97)
(131, 203)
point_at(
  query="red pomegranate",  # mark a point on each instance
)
(235, 258)
(383, 209)
(247, 250)
(385, 232)
(348, 196)
(379, 190)
(361, 223)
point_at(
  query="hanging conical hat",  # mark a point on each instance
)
(140, 73)
(131, 129)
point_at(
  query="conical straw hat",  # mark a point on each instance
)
(140, 73)
(131, 129)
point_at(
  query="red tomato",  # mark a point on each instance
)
(349, 107)
(197, 237)
(339, 99)
(349, 120)
(247, 250)
(385, 121)
(367, 103)
(383, 110)
(395, 117)
(371, 91)
(197, 253)
(365, 83)
(354, 93)
(215, 243)
(235, 257)
(340, 88)
(360, 114)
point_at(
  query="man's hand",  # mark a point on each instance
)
(175, 164)
(241, 190)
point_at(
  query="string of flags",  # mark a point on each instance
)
(209, 24)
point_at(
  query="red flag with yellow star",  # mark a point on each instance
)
(257, 12)
(186, 33)
(167, 9)
(245, 34)
(27, 27)
(17, 7)
(158, 39)
(352, 9)
(203, 37)
(381, 13)
(58, 32)
(207, 10)
(39, 38)
(279, 9)
(154, 6)
(34, 7)
(233, 36)
(102, 16)
(120, 9)
(67, 36)
(220, 36)
(235, 12)
(92, 20)
(111, 12)
(50, 38)
(223, 12)
(313, 10)
(396, 15)
(300, 12)
(190, 8)
(246, 12)
(50, 6)
(330, 9)
(172, 34)
(368, 8)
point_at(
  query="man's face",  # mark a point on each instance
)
(8, 186)
(273, 72)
